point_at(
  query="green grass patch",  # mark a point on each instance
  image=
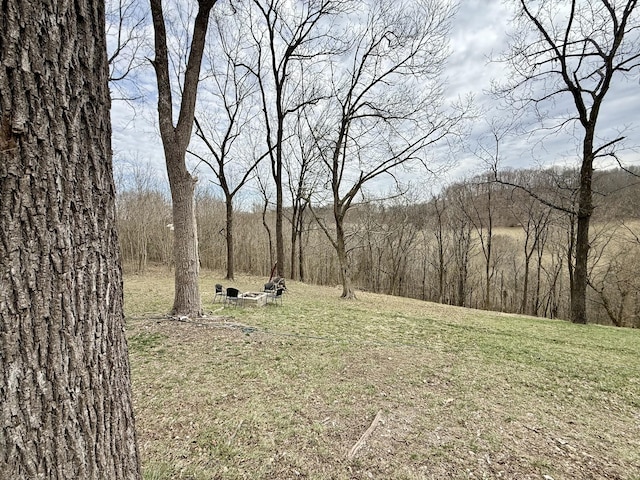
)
(146, 342)
(287, 391)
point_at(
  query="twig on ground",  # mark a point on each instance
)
(233, 435)
(358, 445)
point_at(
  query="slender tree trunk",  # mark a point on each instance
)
(585, 209)
(536, 304)
(571, 248)
(440, 240)
(441, 269)
(276, 164)
(294, 239)
(345, 275)
(265, 206)
(487, 298)
(461, 286)
(270, 240)
(66, 409)
(423, 283)
(487, 287)
(525, 284)
(230, 254)
(279, 207)
(301, 271)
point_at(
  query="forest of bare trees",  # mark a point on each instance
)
(435, 250)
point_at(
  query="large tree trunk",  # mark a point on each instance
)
(348, 292)
(66, 409)
(185, 241)
(579, 287)
(579, 291)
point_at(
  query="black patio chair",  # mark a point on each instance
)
(275, 296)
(233, 297)
(219, 293)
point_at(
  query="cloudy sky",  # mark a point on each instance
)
(478, 32)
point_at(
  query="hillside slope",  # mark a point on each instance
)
(288, 391)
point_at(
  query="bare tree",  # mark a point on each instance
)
(126, 46)
(441, 262)
(574, 52)
(401, 234)
(613, 273)
(142, 212)
(489, 149)
(175, 140)
(301, 167)
(480, 214)
(289, 39)
(386, 105)
(534, 219)
(225, 132)
(463, 242)
(369, 261)
(64, 369)
(263, 187)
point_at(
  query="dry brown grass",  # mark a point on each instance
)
(285, 392)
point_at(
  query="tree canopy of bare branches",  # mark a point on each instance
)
(290, 41)
(386, 104)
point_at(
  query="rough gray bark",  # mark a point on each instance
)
(65, 408)
(348, 291)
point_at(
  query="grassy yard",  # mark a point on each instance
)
(286, 392)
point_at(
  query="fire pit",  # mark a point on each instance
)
(254, 299)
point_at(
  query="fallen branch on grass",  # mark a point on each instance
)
(232, 436)
(358, 445)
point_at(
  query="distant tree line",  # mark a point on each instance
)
(478, 243)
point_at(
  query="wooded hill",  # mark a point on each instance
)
(500, 242)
